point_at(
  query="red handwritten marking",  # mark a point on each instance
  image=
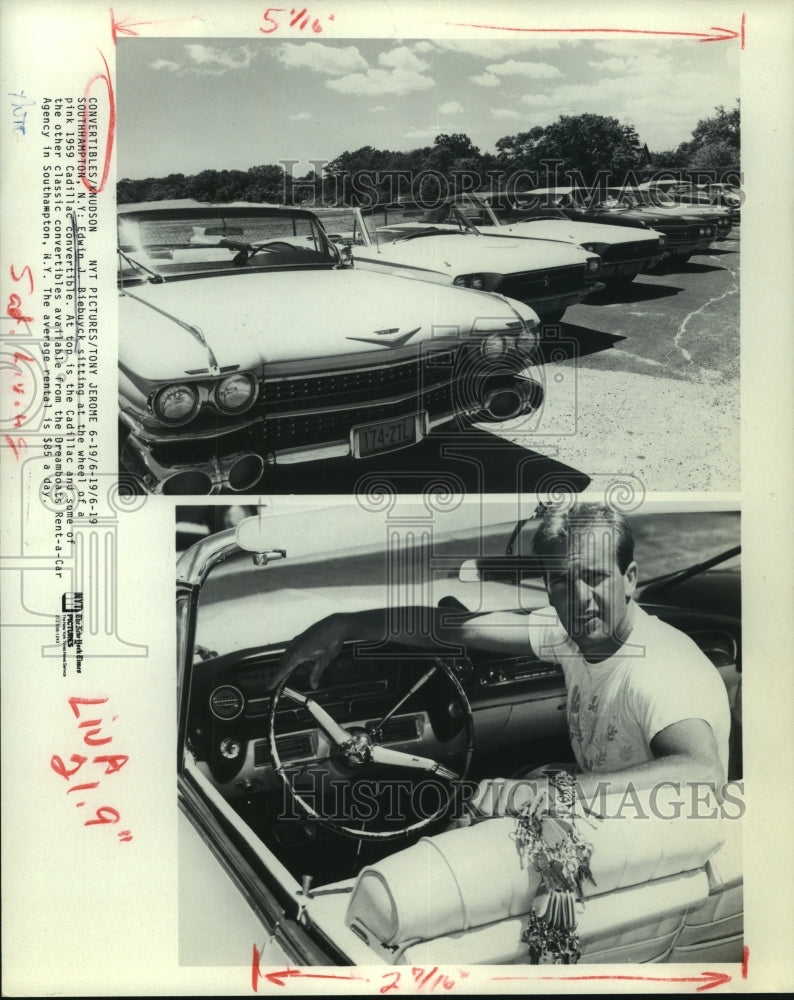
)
(20, 356)
(112, 760)
(88, 784)
(277, 978)
(392, 985)
(18, 277)
(297, 18)
(745, 961)
(707, 980)
(743, 35)
(101, 818)
(266, 17)
(111, 131)
(57, 764)
(74, 702)
(726, 35)
(256, 975)
(17, 446)
(123, 27)
(14, 309)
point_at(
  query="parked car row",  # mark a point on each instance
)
(254, 336)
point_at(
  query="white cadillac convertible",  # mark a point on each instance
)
(246, 342)
(325, 825)
(548, 275)
(624, 252)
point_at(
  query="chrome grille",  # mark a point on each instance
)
(359, 385)
(542, 284)
(324, 425)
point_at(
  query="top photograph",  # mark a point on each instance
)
(487, 265)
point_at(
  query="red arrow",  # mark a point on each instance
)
(277, 978)
(707, 980)
(123, 27)
(723, 34)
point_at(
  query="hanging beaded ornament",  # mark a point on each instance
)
(556, 850)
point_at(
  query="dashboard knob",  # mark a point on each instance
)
(230, 748)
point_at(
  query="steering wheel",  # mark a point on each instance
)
(356, 752)
(280, 246)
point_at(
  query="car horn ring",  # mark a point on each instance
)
(359, 751)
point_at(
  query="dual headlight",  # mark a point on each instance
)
(497, 345)
(706, 230)
(592, 265)
(482, 282)
(179, 402)
(598, 248)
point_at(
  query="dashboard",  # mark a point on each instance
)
(231, 702)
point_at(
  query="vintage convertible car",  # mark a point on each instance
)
(245, 341)
(684, 234)
(329, 809)
(719, 198)
(624, 252)
(547, 275)
(659, 197)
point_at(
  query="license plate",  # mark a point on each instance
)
(629, 268)
(374, 439)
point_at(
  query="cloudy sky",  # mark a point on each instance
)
(186, 105)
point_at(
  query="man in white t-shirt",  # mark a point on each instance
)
(645, 706)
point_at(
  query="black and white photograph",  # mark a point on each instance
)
(563, 217)
(396, 482)
(377, 745)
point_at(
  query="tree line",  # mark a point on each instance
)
(583, 146)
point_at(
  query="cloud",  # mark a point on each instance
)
(428, 132)
(378, 107)
(168, 64)
(499, 49)
(450, 108)
(402, 58)
(399, 72)
(486, 80)
(302, 116)
(504, 113)
(381, 81)
(319, 58)
(535, 70)
(212, 61)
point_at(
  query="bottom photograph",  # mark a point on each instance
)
(438, 730)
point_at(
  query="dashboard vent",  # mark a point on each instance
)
(294, 747)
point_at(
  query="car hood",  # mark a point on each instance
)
(248, 319)
(650, 217)
(570, 231)
(461, 254)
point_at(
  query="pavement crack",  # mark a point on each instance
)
(705, 373)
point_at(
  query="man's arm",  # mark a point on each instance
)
(501, 632)
(684, 752)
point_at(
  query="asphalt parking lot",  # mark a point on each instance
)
(643, 381)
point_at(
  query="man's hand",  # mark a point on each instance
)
(508, 796)
(318, 645)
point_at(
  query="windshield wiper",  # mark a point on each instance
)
(660, 583)
(154, 275)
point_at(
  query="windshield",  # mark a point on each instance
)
(157, 243)
(389, 223)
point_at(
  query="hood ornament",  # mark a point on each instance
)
(394, 342)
